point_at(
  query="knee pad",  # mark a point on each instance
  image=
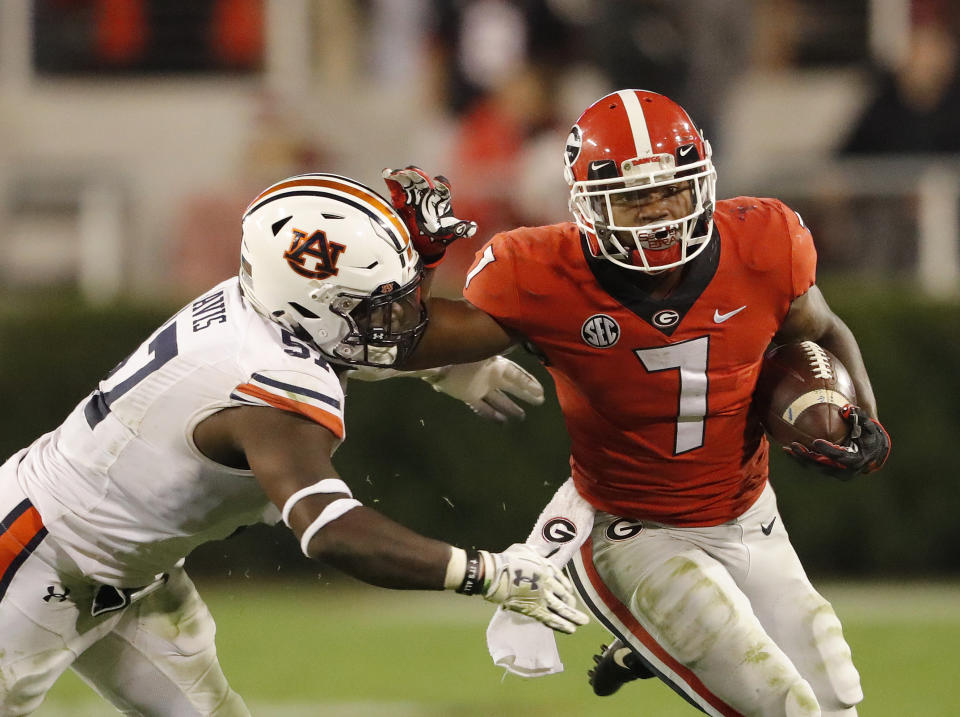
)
(683, 600)
(801, 702)
(838, 683)
(24, 683)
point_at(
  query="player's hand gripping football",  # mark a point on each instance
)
(424, 205)
(484, 386)
(866, 452)
(519, 579)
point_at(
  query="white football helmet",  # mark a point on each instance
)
(331, 261)
(630, 147)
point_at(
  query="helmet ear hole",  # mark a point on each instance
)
(304, 311)
(302, 334)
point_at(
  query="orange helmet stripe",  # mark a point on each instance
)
(333, 182)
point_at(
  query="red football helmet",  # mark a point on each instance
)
(630, 149)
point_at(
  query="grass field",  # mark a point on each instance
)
(294, 650)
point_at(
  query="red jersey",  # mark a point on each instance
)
(656, 393)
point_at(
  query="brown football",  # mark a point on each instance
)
(799, 391)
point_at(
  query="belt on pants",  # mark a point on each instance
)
(109, 598)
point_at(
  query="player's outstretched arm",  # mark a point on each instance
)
(290, 456)
(458, 332)
(490, 388)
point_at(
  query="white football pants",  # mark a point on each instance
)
(725, 615)
(154, 657)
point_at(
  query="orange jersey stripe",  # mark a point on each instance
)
(15, 539)
(373, 199)
(637, 630)
(328, 420)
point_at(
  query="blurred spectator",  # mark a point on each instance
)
(691, 51)
(500, 59)
(482, 42)
(487, 158)
(917, 104)
(809, 33)
(915, 110)
(205, 233)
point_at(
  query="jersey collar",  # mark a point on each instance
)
(627, 287)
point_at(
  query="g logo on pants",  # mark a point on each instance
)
(623, 529)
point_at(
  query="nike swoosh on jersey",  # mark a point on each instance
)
(720, 318)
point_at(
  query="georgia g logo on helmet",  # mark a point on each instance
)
(573, 146)
(316, 247)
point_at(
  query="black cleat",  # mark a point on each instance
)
(616, 665)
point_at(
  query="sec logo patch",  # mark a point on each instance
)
(600, 331)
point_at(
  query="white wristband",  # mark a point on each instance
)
(456, 568)
(333, 511)
(327, 485)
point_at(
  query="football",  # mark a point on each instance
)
(799, 391)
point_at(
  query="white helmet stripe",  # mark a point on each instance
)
(638, 123)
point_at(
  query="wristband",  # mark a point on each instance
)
(456, 569)
(473, 575)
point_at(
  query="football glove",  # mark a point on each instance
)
(519, 579)
(484, 386)
(868, 448)
(424, 205)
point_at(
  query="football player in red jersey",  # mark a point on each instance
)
(652, 311)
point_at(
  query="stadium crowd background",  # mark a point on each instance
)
(134, 132)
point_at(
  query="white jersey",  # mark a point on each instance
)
(122, 487)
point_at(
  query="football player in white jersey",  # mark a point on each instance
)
(228, 415)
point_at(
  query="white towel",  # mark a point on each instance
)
(521, 644)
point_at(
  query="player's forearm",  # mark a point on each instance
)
(811, 319)
(457, 333)
(839, 340)
(370, 547)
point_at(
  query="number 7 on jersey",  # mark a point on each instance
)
(690, 359)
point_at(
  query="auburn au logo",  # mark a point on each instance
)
(313, 256)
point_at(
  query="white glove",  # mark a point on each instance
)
(519, 579)
(484, 385)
